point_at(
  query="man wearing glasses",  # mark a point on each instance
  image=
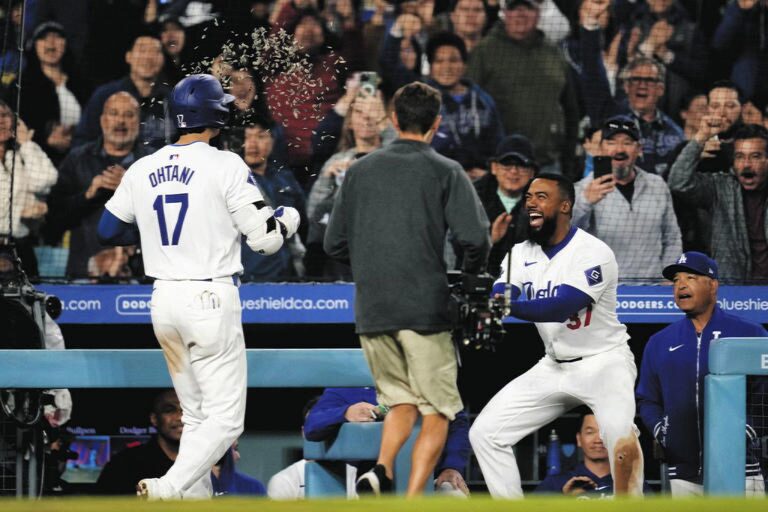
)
(643, 80)
(736, 198)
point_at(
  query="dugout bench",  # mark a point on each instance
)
(267, 368)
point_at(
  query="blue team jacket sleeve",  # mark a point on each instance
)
(327, 415)
(649, 398)
(113, 231)
(568, 301)
(456, 451)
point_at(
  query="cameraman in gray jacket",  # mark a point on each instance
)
(736, 198)
(629, 209)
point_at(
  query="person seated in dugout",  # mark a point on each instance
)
(590, 478)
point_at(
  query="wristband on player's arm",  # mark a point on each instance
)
(569, 300)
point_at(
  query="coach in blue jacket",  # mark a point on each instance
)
(670, 393)
(342, 405)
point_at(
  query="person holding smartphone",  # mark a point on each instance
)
(627, 207)
(590, 478)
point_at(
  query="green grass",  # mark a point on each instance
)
(475, 504)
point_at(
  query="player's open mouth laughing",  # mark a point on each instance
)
(536, 219)
(682, 296)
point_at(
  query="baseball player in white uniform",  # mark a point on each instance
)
(568, 281)
(191, 203)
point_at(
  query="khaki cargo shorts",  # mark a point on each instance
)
(413, 368)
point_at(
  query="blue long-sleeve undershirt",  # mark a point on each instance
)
(569, 300)
(113, 231)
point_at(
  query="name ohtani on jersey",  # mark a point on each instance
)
(182, 198)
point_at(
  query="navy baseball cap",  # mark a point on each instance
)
(515, 149)
(46, 28)
(693, 262)
(620, 124)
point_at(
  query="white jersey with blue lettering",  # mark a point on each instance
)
(583, 262)
(182, 197)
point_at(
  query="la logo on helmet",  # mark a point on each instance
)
(180, 121)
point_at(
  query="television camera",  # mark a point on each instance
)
(478, 317)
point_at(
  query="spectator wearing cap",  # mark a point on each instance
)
(53, 91)
(538, 99)
(145, 60)
(73, 16)
(470, 128)
(628, 209)
(736, 198)
(173, 36)
(670, 392)
(644, 81)
(501, 191)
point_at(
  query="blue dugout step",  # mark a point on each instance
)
(316, 303)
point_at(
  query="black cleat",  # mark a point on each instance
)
(374, 482)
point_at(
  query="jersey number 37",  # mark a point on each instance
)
(574, 322)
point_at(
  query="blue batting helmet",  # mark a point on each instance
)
(198, 101)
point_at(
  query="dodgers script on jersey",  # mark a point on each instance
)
(182, 197)
(585, 263)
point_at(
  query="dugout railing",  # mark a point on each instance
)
(267, 368)
(731, 362)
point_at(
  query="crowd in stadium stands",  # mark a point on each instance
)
(675, 91)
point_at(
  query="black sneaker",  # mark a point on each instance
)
(374, 482)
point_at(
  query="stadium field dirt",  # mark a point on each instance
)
(477, 504)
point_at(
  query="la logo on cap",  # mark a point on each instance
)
(683, 259)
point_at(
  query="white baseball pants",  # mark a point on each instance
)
(199, 327)
(604, 382)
